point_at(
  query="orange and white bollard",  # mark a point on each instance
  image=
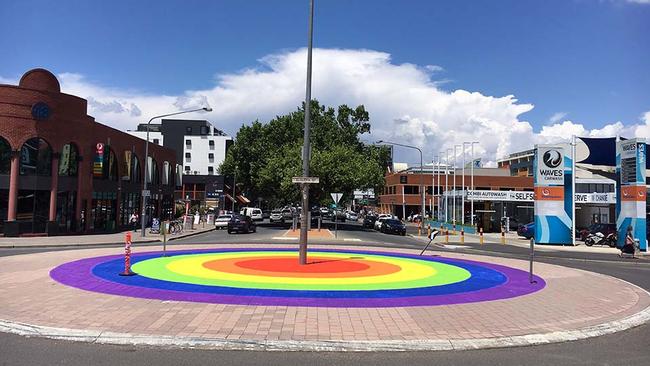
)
(503, 236)
(446, 236)
(127, 255)
(462, 236)
(481, 235)
(429, 231)
(420, 228)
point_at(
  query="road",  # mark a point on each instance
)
(625, 348)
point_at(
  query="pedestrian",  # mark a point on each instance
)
(134, 221)
(629, 246)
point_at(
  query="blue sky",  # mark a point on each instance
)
(583, 61)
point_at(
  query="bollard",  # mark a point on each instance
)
(462, 236)
(319, 220)
(503, 236)
(453, 231)
(446, 236)
(165, 225)
(420, 228)
(127, 255)
(429, 231)
(481, 236)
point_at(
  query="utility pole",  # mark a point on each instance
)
(304, 222)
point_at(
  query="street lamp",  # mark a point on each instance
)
(146, 161)
(455, 185)
(421, 171)
(472, 180)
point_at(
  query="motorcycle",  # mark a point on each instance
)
(600, 239)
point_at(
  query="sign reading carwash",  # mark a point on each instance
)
(631, 190)
(552, 213)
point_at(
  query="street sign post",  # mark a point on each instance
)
(336, 197)
(305, 180)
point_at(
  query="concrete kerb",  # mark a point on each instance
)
(104, 337)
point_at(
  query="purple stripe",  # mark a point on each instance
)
(79, 274)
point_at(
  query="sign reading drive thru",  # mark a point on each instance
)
(552, 213)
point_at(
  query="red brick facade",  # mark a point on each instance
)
(68, 123)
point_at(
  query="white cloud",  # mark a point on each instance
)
(639, 1)
(557, 117)
(404, 100)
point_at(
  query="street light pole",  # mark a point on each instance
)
(439, 188)
(304, 222)
(472, 182)
(454, 204)
(433, 185)
(422, 193)
(146, 163)
(234, 189)
(447, 186)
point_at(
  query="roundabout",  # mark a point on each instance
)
(332, 278)
(257, 297)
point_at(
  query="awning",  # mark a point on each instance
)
(243, 199)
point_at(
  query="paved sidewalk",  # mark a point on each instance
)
(95, 239)
(574, 304)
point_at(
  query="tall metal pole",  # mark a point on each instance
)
(447, 186)
(234, 189)
(472, 182)
(462, 191)
(146, 164)
(422, 192)
(439, 188)
(454, 203)
(573, 191)
(433, 185)
(304, 224)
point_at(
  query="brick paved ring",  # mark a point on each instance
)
(574, 304)
(332, 278)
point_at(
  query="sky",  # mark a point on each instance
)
(434, 74)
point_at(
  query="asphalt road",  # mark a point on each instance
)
(624, 348)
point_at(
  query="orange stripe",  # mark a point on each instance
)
(230, 266)
(633, 193)
(549, 193)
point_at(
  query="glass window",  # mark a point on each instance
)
(156, 141)
(187, 168)
(211, 157)
(136, 174)
(5, 156)
(188, 130)
(36, 157)
(204, 130)
(68, 160)
(211, 144)
(210, 170)
(188, 155)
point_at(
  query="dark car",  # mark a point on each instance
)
(604, 229)
(393, 226)
(241, 224)
(369, 222)
(527, 231)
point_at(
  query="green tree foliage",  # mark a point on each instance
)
(267, 156)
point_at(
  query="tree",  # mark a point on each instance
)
(266, 156)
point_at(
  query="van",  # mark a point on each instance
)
(254, 213)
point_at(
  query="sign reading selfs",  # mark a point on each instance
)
(631, 190)
(552, 195)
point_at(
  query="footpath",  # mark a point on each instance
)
(97, 239)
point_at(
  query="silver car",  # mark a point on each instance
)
(222, 221)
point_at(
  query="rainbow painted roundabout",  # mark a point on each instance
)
(332, 278)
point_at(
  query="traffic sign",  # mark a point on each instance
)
(305, 180)
(336, 197)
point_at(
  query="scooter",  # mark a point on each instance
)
(600, 239)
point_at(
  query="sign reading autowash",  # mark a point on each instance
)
(631, 190)
(552, 213)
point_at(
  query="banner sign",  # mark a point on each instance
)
(519, 196)
(98, 164)
(126, 167)
(631, 190)
(552, 195)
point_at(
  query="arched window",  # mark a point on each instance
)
(36, 157)
(106, 164)
(5, 156)
(136, 175)
(154, 173)
(111, 173)
(68, 161)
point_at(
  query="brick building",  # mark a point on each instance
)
(61, 171)
(401, 196)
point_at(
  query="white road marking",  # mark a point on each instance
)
(351, 239)
(284, 238)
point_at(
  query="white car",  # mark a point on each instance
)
(254, 213)
(352, 216)
(222, 221)
(380, 219)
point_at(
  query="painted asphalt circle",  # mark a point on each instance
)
(332, 278)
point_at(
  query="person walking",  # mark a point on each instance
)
(133, 220)
(629, 246)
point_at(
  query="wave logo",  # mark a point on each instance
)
(546, 192)
(552, 158)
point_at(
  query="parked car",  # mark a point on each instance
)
(381, 219)
(527, 231)
(393, 226)
(287, 214)
(221, 221)
(241, 224)
(276, 217)
(604, 229)
(369, 221)
(266, 214)
(352, 216)
(254, 213)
